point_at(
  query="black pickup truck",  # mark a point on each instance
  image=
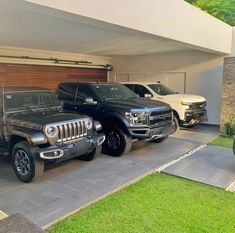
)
(35, 129)
(124, 116)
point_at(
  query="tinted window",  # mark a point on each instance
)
(47, 98)
(66, 91)
(110, 91)
(141, 90)
(130, 86)
(161, 89)
(29, 100)
(83, 92)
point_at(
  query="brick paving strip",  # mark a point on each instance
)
(231, 187)
(164, 166)
(2, 215)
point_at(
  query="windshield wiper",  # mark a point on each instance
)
(50, 106)
(107, 99)
(27, 108)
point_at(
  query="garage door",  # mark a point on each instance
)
(174, 80)
(47, 76)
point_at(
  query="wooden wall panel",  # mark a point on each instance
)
(47, 76)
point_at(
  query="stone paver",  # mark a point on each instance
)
(211, 165)
(18, 224)
(73, 184)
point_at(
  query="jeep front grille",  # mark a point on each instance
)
(71, 130)
(160, 118)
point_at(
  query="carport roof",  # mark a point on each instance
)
(109, 28)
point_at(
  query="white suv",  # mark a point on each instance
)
(189, 110)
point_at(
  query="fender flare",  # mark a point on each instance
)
(116, 115)
(36, 138)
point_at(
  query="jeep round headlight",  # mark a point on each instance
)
(51, 131)
(88, 124)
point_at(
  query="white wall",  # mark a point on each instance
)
(204, 73)
(172, 19)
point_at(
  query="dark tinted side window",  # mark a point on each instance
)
(83, 92)
(66, 91)
(141, 90)
(130, 86)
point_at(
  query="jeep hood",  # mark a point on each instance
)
(137, 103)
(37, 120)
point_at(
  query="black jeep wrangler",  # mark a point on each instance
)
(124, 116)
(34, 129)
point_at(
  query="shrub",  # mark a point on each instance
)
(230, 128)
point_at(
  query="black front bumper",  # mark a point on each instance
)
(71, 149)
(149, 133)
(194, 118)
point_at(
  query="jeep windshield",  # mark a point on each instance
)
(161, 89)
(17, 101)
(113, 91)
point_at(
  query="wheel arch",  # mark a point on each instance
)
(15, 139)
(176, 114)
(116, 119)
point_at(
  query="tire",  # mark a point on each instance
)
(158, 140)
(90, 156)
(117, 142)
(27, 166)
(177, 123)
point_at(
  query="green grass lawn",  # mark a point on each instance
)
(157, 203)
(222, 141)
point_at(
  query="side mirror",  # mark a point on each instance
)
(148, 95)
(90, 101)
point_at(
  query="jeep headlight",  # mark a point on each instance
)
(88, 124)
(137, 118)
(51, 131)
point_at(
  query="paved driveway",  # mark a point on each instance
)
(212, 165)
(73, 184)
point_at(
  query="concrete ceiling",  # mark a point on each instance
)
(28, 25)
